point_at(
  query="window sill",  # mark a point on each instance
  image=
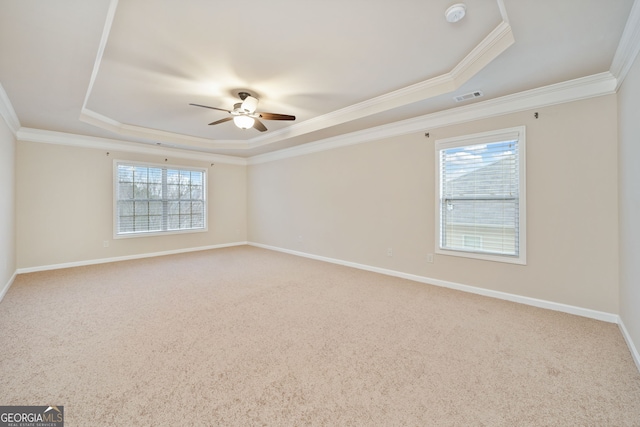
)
(521, 260)
(158, 233)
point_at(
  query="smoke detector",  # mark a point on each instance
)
(456, 12)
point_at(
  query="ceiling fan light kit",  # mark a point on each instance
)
(456, 12)
(250, 104)
(244, 122)
(244, 114)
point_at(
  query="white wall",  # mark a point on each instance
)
(7, 206)
(352, 203)
(65, 204)
(629, 175)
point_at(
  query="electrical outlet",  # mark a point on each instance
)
(389, 251)
(300, 239)
(105, 243)
(430, 258)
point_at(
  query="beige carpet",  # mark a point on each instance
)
(249, 337)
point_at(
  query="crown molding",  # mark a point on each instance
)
(111, 12)
(629, 45)
(169, 138)
(503, 11)
(572, 90)
(7, 112)
(73, 140)
(489, 49)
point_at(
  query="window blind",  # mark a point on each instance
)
(479, 198)
(159, 199)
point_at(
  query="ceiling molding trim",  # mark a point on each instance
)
(103, 44)
(7, 112)
(486, 51)
(489, 49)
(433, 87)
(169, 138)
(572, 90)
(81, 141)
(503, 11)
(629, 45)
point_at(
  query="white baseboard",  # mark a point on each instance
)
(6, 287)
(124, 258)
(550, 305)
(632, 347)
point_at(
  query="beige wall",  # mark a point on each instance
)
(7, 205)
(353, 203)
(629, 107)
(65, 206)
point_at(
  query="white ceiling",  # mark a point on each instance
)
(127, 70)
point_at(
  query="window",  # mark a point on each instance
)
(151, 199)
(481, 196)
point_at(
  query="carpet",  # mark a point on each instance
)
(245, 336)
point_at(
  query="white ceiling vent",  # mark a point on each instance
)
(468, 96)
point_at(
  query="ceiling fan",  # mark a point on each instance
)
(244, 113)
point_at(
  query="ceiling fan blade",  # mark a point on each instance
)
(259, 125)
(217, 122)
(275, 116)
(213, 108)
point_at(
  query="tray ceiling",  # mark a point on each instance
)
(128, 69)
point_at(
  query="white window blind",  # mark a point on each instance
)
(156, 199)
(481, 190)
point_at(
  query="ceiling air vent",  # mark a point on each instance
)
(468, 96)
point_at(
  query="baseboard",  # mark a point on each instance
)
(124, 258)
(6, 287)
(632, 347)
(550, 305)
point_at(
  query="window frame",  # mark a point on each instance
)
(129, 235)
(515, 133)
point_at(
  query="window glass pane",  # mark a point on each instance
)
(173, 191)
(155, 175)
(196, 192)
(185, 177)
(197, 207)
(197, 220)
(141, 208)
(155, 208)
(173, 208)
(125, 190)
(196, 178)
(185, 208)
(141, 223)
(173, 176)
(155, 191)
(173, 222)
(140, 191)
(185, 221)
(185, 191)
(126, 224)
(125, 173)
(125, 208)
(140, 174)
(155, 223)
